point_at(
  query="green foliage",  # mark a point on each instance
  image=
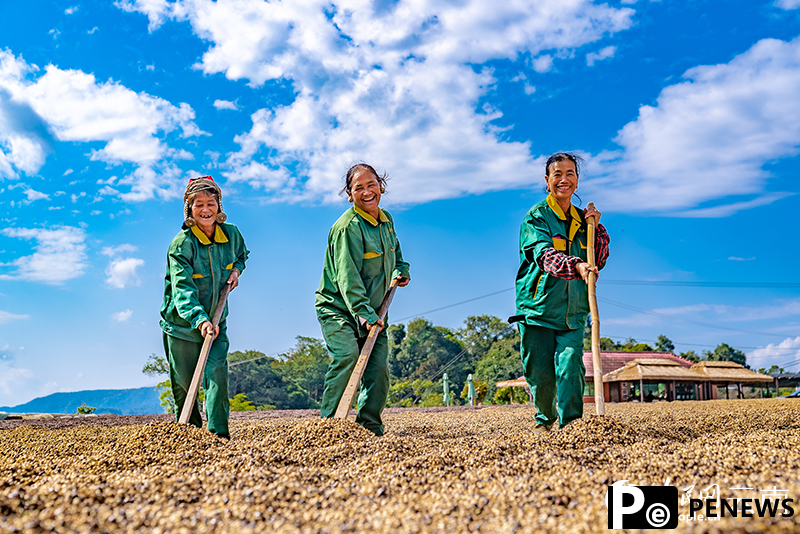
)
(726, 353)
(156, 366)
(417, 392)
(502, 362)
(772, 370)
(480, 332)
(159, 366)
(503, 396)
(629, 345)
(664, 344)
(262, 382)
(167, 400)
(85, 410)
(690, 355)
(239, 403)
(305, 366)
(424, 351)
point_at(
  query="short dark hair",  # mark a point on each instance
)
(362, 167)
(561, 156)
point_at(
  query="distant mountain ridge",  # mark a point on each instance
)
(137, 401)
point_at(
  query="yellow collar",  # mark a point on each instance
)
(219, 235)
(576, 217)
(557, 209)
(369, 218)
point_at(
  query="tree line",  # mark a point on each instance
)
(419, 354)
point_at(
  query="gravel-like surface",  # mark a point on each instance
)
(439, 470)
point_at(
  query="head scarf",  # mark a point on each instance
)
(203, 184)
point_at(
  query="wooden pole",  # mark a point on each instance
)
(597, 364)
(358, 371)
(194, 387)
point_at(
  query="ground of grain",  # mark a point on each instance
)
(469, 470)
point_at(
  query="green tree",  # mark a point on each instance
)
(424, 352)
(690, 355)
(305, 366)
(480, 332)
(86, 410)
(503, 396)
(772, 370)
(502, 362)
(664, 344)
(725, 353)
(159, 366)
(417, 392)
(263, 384)
(239, 403)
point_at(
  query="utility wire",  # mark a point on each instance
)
(456, 304)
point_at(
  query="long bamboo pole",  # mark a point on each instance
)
(194, 387)
(599, 397)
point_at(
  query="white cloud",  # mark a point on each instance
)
(393, 84)
(12, 378)
(788, 4)
(122, 273)
(68, 172)
(36, 195)
(707, 138)
(90, 32)
(225, 104)
(70, 10)
(785, 354)
(120, 249)
(6, 317)
(59, 254)
(122, 316)
(605, 53)
(736, 258)
(71, 106)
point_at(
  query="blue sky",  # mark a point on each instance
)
(686, 112)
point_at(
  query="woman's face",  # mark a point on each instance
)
(204, 210)
(365, 190)
(562, 180)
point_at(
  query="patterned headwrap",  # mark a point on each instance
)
(202, 184)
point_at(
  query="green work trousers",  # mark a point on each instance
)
(553, 364)
(182, 356)
(344, 346)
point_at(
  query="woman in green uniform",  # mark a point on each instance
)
(205, 254)
(362, 258)
(552, 294)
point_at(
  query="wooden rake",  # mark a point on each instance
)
(358, 371)
(194, 387)
(599, 398)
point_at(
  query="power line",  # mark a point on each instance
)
(456, 304)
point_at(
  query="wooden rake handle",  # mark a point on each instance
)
(194, 387)
(358, 371)
(599, 398)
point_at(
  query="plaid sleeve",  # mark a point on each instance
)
(601, 246)
(559, 264)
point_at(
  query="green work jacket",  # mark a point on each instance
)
(197, 267)
(544, 299)
(362, 258)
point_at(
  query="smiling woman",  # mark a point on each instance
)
(205, 254)
(362, 258)
(552, 298)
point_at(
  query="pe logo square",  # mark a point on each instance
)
(642, 506)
